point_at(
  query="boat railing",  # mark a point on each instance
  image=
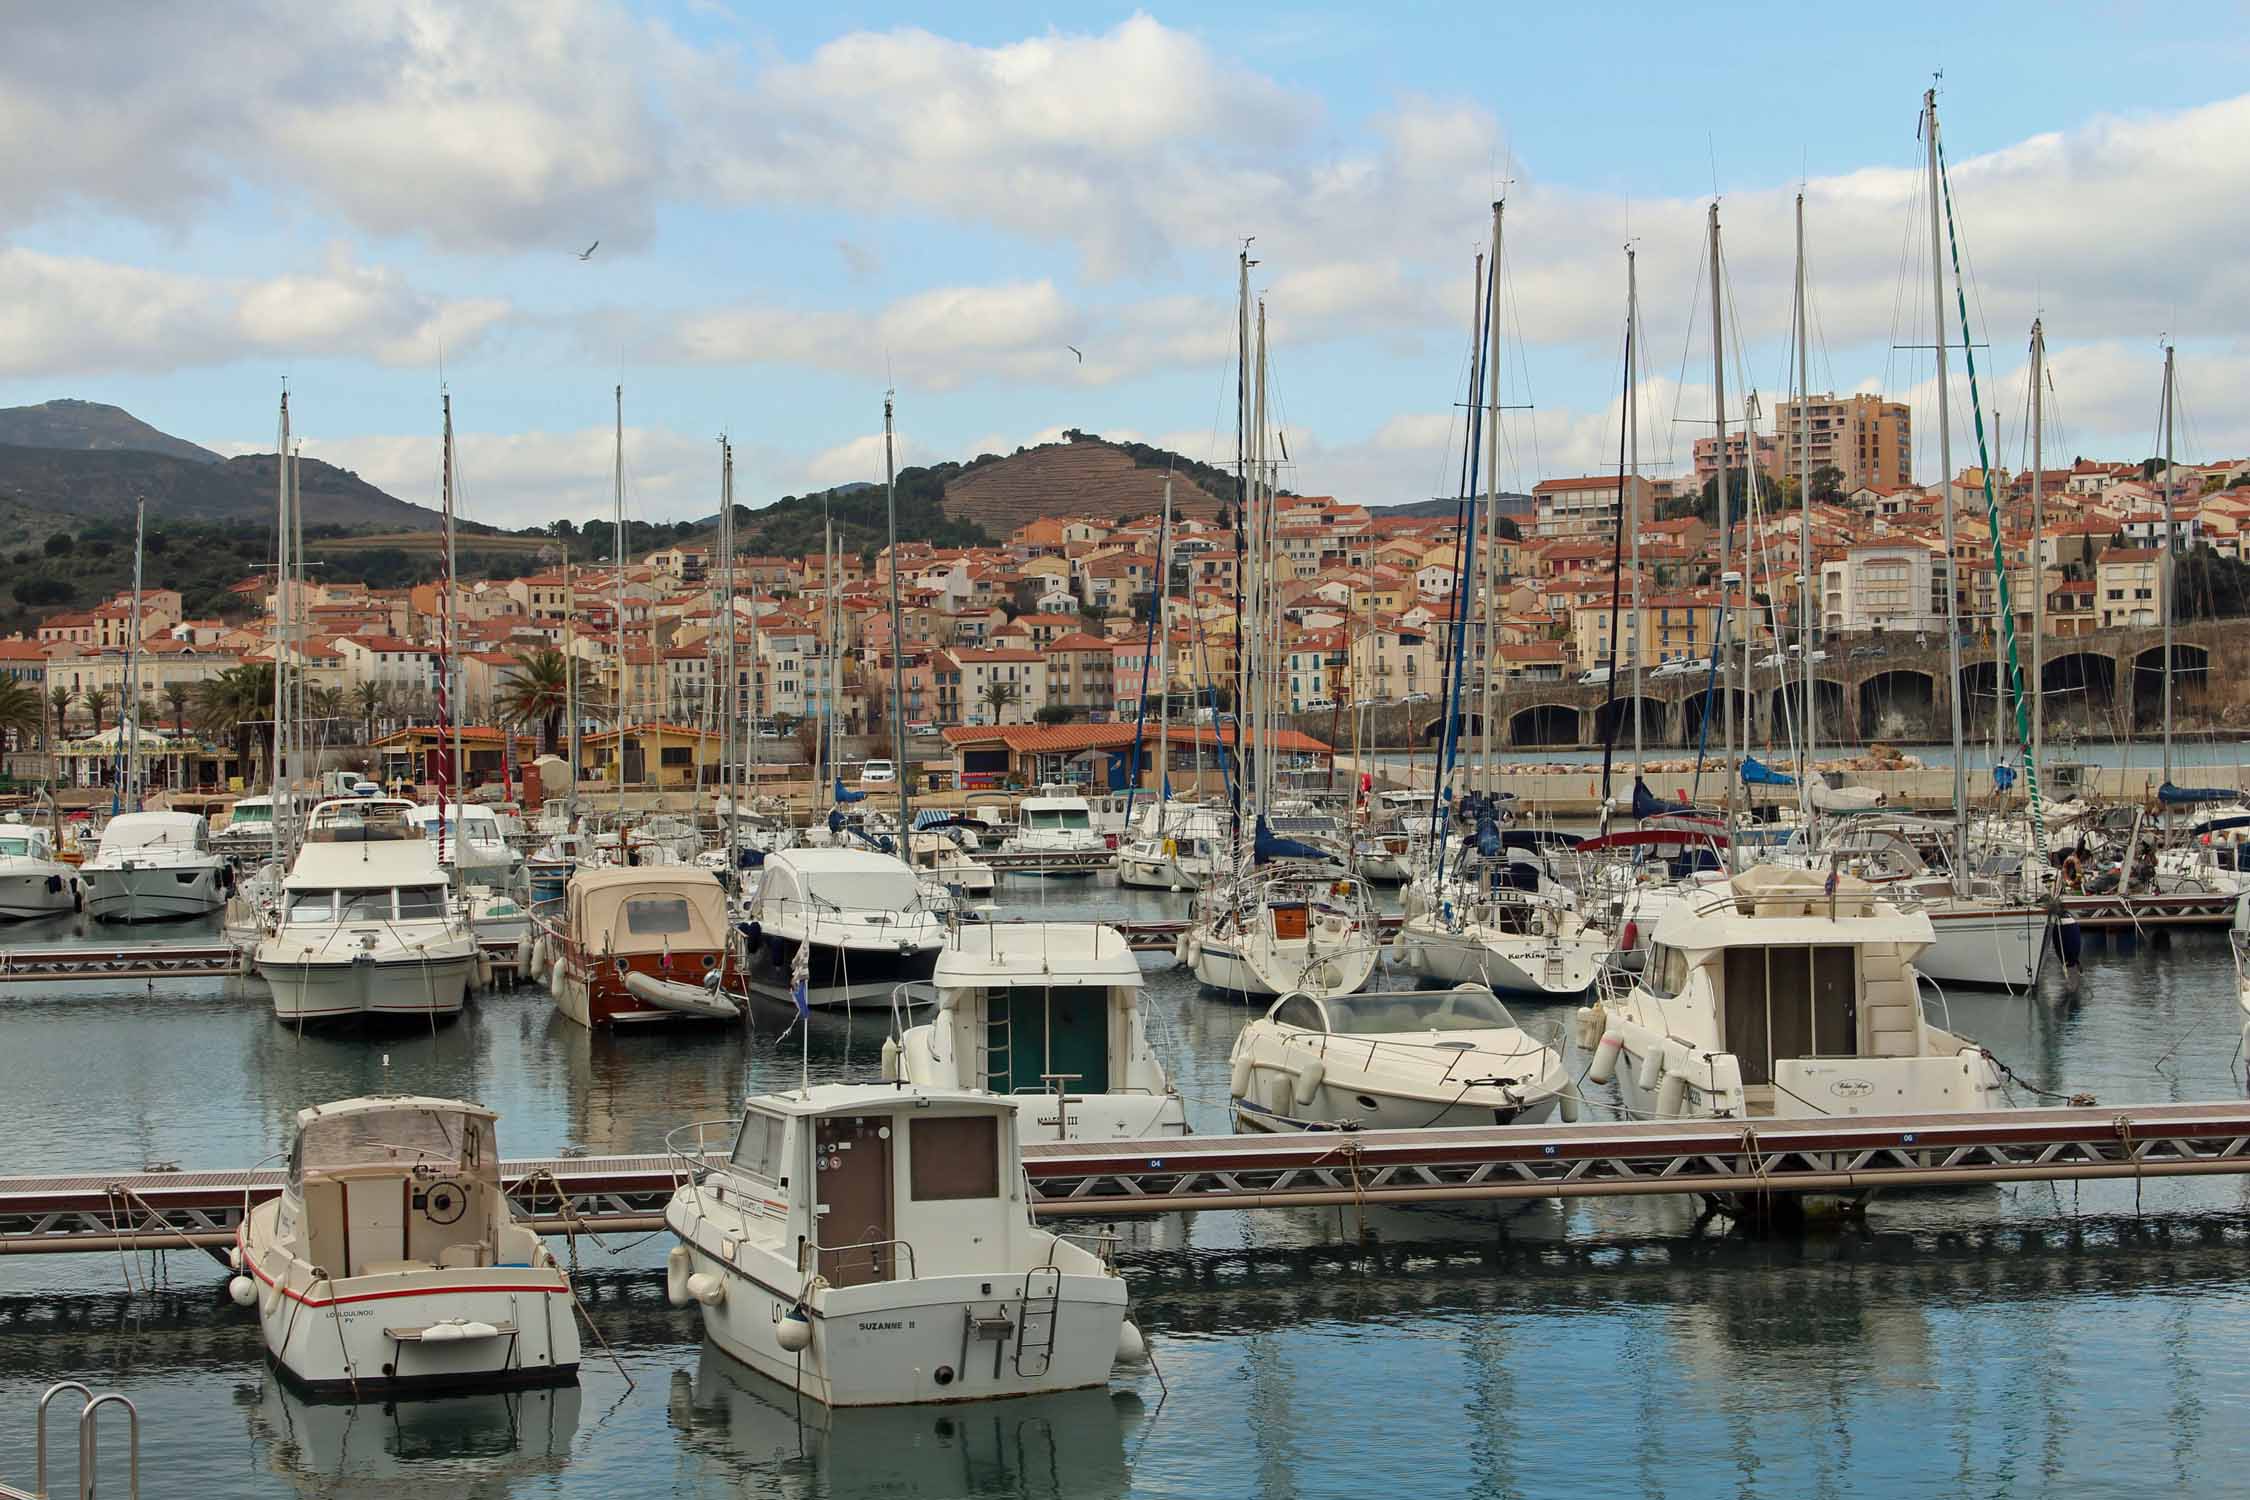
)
(1099, 1243)
(809, 1252)
(692, 1158)
(88, 1454)
(1945, 1010)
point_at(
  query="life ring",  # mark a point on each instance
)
(2070, 871)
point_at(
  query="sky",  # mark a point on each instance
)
(800, 208)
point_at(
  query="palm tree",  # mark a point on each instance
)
(998, 695)
(22, 710)
(367, 702)
(58, 703)
(97, 703)
(176, 699)
(238, 704)
(327, 703)
(538, 691)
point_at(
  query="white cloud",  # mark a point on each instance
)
(71, 315)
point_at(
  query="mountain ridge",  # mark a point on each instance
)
(72, 425)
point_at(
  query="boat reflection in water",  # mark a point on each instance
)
(441, 1445)
(1067, 1444)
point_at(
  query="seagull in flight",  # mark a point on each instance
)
(588, 252)
(1073, 348)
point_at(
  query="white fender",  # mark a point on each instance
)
(1605, 1058)
(1132, 1345)
(243, 1290)
(1652, 1067)
(1566, 1105)
(542, 958)
(677, 1265)
(890, 1060)
(523, 954)
(793, 1331)
(1309, 1079)
(1669, 1096)
(1191, 949)
(1238, 1081)
(707, 1289)
(1592, 1019)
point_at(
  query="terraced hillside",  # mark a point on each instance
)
(1082, 478)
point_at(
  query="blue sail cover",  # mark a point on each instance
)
(1646, 804)
(845, 795)
(1267, 846)
(1488, 836)
(2003, 777)
(1756, 772)
(2176, 796)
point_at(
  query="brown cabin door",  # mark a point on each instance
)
(854, 1216)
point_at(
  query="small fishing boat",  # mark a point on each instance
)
(1397, 1060)
(33, 883)
(154, 867)
(864, 916)
(391, 1262)
(636, 945)
(367, 928)
(869, 1245)
(1049, 1012)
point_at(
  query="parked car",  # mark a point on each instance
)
(878, 773)
(1593, 677)
(1684, 666)
(1417, 698)
(1863, 653)
(923, 728)
(1318, 706)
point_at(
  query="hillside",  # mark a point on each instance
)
(70, 487)
(1085, 477)
(89, 426)
(1443, 506)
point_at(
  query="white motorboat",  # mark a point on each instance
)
(471, 843)
(1385, 850)
(863, 916)
(636, 945)
(367, 928)
(154, 867)
(869, 1245)
(1991, 929)
(392, 1263)
(939, 858)
(1396, 1060)
(248, 833)
(33, 883)
(1782, 993)
(1049, 1012)
(1180, 847)
(1516, 942)
(2238, 940)
(1281, 929)
(1055, 823)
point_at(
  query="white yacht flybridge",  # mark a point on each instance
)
(1784, 993)
(870, 1245)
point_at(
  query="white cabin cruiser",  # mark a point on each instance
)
(391, 1262)
(248, 832)
(863, 915)
(471, 843)
(33, 883)
(1181, 847)
(1396, 1060)
(938, 856)
(870, 1245)
(1775, 994)
(1057, 824)
(367, 927)
(1048, 1012)
(154, 867)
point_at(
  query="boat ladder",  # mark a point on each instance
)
(1042, 1310)
(999, 1042)
(88, 1420)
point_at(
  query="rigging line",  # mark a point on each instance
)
(1687, 344)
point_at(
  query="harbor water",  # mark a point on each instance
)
(2027, 1341)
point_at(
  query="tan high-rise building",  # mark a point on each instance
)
(1870, 440)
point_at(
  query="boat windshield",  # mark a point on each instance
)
(1421, 1010)
(18, 846)
(390, 1137)
(253, 814)
(867, 890)
(1058, 817)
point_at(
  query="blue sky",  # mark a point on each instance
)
(797, 208)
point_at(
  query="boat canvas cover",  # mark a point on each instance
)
(2176, 796)
(1756, 772)
(647, 911)
(151, 830)
(399, 1132)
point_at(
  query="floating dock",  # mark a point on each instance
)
(160, 1210)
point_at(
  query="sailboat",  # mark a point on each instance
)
(1288, 917)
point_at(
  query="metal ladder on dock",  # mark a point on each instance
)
(1035, 1324)
(88, 1425)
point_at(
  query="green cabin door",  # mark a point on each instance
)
(1064, 1031)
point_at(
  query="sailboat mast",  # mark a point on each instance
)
(1244, 504)
(285, 659)
(1163, 668)
(2038, 546)
(1945, 503)
(730, 696)
(898, 638)
(1722, 656)
(1487, 702)
(1261, 506)
(570, 675)
(449, 682)
(130, 783)
(617, 598)
(2165, 577)
(1809, 703)
(1630, 504)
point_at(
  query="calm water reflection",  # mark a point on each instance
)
(2026, 1341)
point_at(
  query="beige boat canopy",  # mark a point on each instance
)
(399, 1133)
(660, 909)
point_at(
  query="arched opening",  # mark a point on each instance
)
(1697, 707)
(1550, 724)
(1828, 697)
(1614, 721)
(2191, 672)
(2079, 691)
(1467, 727)
(1898, 704)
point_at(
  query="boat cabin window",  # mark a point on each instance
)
(421, 901)
(311, 906)
(1300, 1012)
(1429, 1010)
(1665, 973)
(658, 915)
(757, 1150)
(365, 906)
(955, 1156)
(394, 1137)
(1057, 817)
(866, 890)
(15, 846)
(1790, 1001)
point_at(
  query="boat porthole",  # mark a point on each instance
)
(710, 961)
(1366, 1103)
(944, 1375)
(621, 965)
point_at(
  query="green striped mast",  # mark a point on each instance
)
(1992, 516)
